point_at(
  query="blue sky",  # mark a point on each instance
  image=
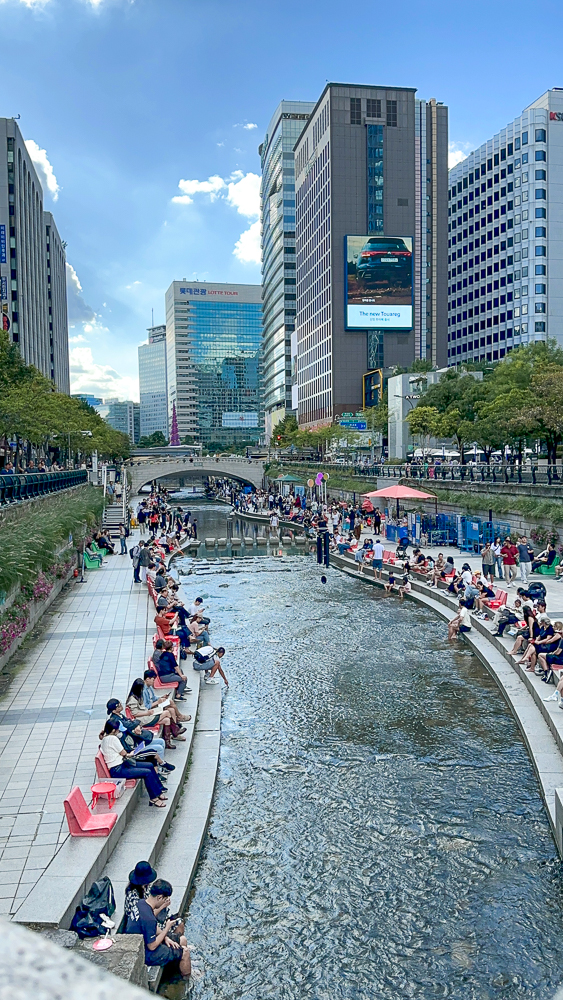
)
(144, 118)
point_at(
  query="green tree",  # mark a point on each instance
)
(423, 422)
(154, 440)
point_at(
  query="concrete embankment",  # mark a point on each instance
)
(540, 722)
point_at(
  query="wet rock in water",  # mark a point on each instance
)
(223, 585)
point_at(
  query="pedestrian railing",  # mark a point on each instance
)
(546, 475)
(25, 486)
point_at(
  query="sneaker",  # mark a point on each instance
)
(211, 680)
(552, 697)
(168, 767)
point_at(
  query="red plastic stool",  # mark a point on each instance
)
(103, 788)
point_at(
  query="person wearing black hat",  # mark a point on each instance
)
(160, 948)
(139, 880)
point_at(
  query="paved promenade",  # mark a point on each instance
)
(95, 643)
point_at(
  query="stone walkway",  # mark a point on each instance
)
(94, 645)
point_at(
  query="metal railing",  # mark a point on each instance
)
(535, 475)
(25, 486)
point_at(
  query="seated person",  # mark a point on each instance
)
(103, 542)
(151, 701)
(389, 587)
(198, 632)
(169, 623)
(405, 588)
(169, 671)
(486, 593)
(506, 616)
(460, 623)
(160, 948)
(418, 558)
(160, 581)
(527, 633)
(94, 556)
(156, 717)
(131, 727)
(122, 763)
(546, 641)
(469, 595)
(211, 663)
(544, 558)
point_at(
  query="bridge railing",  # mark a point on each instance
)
(535, 475)
(25, 486)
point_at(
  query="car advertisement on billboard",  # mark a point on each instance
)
(378, 282)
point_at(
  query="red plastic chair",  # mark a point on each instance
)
(498, 601)
(151, 729)
(81, 822)
(157, 681)
(103, 773)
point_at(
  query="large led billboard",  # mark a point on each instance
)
(378, 282)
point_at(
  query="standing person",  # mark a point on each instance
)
(524, 558)
(359, 555)
(357, 531)
(122, 539)
(488, 562)
(142, 520)
(135, 554)
(352, 519)
(194, 529)
(144, 560)
(498, 558)
(377, 522)
(377, 559)
(509, 554)
(274, 523)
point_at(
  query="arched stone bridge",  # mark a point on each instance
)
(143, 471)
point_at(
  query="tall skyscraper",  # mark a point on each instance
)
(153, 383)
(277, 208)
(57, 305)
(124, 416)
(32, 263)
(371, 232)
(213, 336)
(505, 226)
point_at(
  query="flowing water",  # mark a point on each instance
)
(377, 829)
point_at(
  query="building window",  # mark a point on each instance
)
(541, 175)
(541, 252)
(392, 113)
(375, 178)
(524, 158)
(524, 138)
(540, 269)
(540, 231)
(373, 108)
(540, 289)
(355, 111)
(540, 154)
(541, 213)
(540, 307)
(540, 193)
(539, 327)
(540, 135)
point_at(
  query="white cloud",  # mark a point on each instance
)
(100, 380)
(240, 191)
(250, 126)
(457, 151)
(79, 339)
(247, 247)
(78, 310)
(43, 167)
(244, 193)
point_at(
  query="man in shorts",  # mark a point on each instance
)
(377, 559)
(160, 948)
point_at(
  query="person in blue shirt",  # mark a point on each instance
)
(160, 948)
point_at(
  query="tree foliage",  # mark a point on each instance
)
(155, 440)
(31, 410)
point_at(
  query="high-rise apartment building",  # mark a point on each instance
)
(213, 337)
(371, 187)
(57, 318)
(277, 209)
(505, 230)
(153, 384)
(32, 263)
(124, 416)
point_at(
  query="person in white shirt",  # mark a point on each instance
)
(377, 559)
(460, 623)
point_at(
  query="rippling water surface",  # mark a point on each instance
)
(377, 829)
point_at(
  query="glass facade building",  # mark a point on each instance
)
(153, 386)
(505, 267)
(214, 342)
(124, 416)
(277, 202)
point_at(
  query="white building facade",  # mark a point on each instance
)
(505, 238)
(153, 384)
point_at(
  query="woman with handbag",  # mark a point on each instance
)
(122, 764)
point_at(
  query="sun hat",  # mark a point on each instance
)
(142, 874)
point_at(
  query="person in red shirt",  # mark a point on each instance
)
(509, 553)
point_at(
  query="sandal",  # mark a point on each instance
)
(158, 803)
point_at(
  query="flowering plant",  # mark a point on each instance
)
(42, 587)
(13, 623)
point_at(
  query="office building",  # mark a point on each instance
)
(277, 211)
(153, 385)
(87, 397)
(32, 263)
(213, 338)
(371, 183)
(124, 416)
(505, 229)
(57, 317)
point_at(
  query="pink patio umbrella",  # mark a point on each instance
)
(398, 492)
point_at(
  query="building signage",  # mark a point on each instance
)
(556, 116)
(209, 292)
(3, 289)
(3, 257)
(379, 283)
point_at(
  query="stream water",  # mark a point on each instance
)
(377, 830)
